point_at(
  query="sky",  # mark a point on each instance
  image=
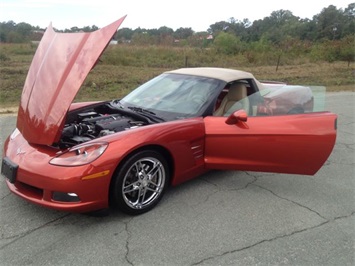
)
(151, 14)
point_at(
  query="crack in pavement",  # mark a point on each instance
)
(232, 189)
(349, 146)
(228, 189)
(345, 144)
(209, 194)
(272, 239)
(294, 202)
(326, 221)
(127, 241)
(8, 194)
(345, 132)
(218, 189)
(209, 182)
(347, 123)
(22, 235)
(253, 176)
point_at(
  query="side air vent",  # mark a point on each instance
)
(197, 151)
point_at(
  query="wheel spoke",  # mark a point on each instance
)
(151, 182)
(137, 202)
(137, 166)
(143, 195)
(134, 186)
(156, 189)
(157, 166)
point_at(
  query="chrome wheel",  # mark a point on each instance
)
(143, 182)
(140, 182)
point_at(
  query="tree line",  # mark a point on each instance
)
(330, 24)
(329, 34)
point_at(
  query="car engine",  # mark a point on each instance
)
(88, 124)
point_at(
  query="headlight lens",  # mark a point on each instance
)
(80, 155)
(14, 134)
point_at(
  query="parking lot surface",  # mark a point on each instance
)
(220, 218)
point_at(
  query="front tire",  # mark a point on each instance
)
(140, 182)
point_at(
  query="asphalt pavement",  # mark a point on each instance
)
(220, 218)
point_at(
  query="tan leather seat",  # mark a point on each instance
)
(237, 92)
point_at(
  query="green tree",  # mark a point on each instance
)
(227, 43)
(239, 28)
(217, 27)
(349, 20)
(24, 30)
(142, 38)
(347, 51)
(165, 31)
(183, 33)
(329, 23)
(165, 36)
(124, 34)
(280, 24)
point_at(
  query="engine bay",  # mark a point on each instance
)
(88, 123)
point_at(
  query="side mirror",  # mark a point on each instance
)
(237, 116)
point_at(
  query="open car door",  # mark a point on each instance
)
(298, 143)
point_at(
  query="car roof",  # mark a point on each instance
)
(225, 74)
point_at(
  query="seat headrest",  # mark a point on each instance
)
(237, 91)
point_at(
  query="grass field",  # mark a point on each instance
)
(123, 68)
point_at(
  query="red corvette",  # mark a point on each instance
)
(84, 157)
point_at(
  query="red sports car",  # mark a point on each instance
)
(83, 157)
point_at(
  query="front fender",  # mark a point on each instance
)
(182, 139)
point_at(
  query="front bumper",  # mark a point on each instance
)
(56, 187)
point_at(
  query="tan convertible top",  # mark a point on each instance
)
(224, 74)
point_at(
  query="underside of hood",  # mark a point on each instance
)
(58, 69)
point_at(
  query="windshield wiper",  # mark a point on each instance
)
(141, 110)
(146, 112)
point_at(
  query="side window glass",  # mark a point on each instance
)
(234, 97)
(251, 105)
(281, 100)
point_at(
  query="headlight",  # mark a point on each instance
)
(14, 134)
(80, 155)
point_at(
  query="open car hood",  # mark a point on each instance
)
(58, 69)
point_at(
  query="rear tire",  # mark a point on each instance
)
(140, 182)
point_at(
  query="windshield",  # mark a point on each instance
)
(174, 96)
